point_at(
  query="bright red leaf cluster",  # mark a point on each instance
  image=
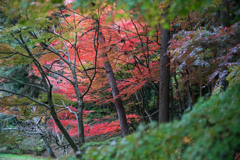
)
(100, 127)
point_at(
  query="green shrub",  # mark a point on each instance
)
(32, 145)
(210, 131)
(9, 142)
(17, 143)
(107, 142)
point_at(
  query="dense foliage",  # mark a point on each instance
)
(77, 74)
(209, 131)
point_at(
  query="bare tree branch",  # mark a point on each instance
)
(23, 95)
(33, 85)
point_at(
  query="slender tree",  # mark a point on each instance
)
(115, 92)
(164, 75)
(224, 14)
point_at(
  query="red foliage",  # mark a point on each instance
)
(126, 43)
(69, 121)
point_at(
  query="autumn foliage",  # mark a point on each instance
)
(98, 127)
(53, 63)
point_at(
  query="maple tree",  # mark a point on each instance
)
(71, 54)
(90, 49)
(79, 58)
(113, 42)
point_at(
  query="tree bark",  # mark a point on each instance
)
(118, 100)
(115, 92)
(59, 124)
(63, 130)
(81, 136)
(164, 77)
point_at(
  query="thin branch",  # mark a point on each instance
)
(23, 95)
(51, 49)
(34, 85)
(9, 129)
(58, 74)
(75, 113)
(150, 115)
(35, 61)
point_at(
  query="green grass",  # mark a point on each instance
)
(20, 157)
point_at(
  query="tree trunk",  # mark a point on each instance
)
(164, 78)
(118, 100)
(63, 130)
(59, 124)
(224, 14)
(115, 92)
(81, 136)
(180, 110)
(171, 109)
(48, 147)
